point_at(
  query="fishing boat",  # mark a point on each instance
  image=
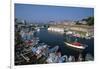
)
(77, 45)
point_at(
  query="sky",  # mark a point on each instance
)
(46, 13)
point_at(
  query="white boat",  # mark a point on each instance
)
(89, 57)
(38, 30)
(69, 32)
(88, 37)
(78, 46)
(54, 49)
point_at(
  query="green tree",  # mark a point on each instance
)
(90, 21)
(78, 23)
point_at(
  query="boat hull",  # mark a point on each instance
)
(75, 46)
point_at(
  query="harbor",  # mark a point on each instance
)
(40, 46)
(46, 34)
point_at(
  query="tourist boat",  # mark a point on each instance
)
(76, 45)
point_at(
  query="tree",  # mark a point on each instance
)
(90, 21)
(77, 22)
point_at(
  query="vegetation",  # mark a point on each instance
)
(78, 23)
(89, 21)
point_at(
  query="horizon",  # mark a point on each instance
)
(46, 13)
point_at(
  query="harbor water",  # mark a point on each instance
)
(54, 38)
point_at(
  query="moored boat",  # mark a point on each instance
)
(76, 45)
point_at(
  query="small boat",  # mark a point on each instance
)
(76, 35)
(38, 30)
(88, 37)
(69, 32)
(89, 57)
(54, 49)
(76, 45)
